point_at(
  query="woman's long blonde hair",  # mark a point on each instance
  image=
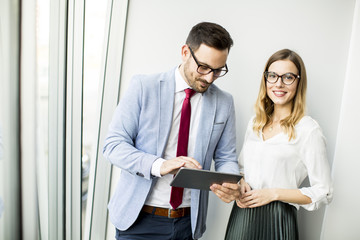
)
(264, 106)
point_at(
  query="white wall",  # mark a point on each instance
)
(342, 216)
(319, 31)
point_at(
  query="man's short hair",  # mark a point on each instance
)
(210, 34)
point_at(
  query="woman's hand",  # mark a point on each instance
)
(257, 198)
(244, 187)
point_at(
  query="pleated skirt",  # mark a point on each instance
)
(274, 221)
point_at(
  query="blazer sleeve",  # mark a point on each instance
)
(225, 152)
(119, 147)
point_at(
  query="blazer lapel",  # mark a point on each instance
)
(207, 118)
(166, 108)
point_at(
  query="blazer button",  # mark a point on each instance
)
(140, 174)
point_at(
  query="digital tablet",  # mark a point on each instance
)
(202, 179)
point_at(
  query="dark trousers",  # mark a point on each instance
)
(149, 226)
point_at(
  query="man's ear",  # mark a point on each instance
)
(185, 52)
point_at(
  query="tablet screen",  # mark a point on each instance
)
(202, 179)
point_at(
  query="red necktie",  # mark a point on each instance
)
(182, 146)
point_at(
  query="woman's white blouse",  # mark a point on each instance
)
(280, 163)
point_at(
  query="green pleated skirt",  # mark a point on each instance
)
(274, 221)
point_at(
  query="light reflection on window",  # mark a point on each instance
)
(42, 97)
(95, 12)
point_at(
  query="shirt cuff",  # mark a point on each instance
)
(155, 169)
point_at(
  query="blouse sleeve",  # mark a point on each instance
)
(241, 162)
(241, 156)
(316, 162)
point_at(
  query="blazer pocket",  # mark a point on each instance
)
(218, 126)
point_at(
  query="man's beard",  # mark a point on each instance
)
(191, 80)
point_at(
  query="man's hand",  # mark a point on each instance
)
(227, 192)
(172, 166)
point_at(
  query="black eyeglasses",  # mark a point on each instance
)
(202, 69)
(287, 78)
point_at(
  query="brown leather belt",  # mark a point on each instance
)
(167, 212)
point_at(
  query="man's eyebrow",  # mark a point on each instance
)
(207, 65)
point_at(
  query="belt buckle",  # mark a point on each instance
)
(169, 213)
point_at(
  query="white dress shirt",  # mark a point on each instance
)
(280, 163)
(160, 195)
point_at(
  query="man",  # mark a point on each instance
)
(150, 139)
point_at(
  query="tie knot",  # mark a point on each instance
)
(189, 93)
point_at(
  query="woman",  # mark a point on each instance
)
(282, 147)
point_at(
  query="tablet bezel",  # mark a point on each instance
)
(202, 179)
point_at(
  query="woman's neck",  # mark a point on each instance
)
(280, 112)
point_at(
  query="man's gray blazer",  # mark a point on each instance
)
(138, 135)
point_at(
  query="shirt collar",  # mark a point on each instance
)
(180, 83)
